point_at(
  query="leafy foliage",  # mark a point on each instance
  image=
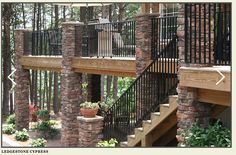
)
(47, 128)
(104, 143)
(53, 132)
(89, 105)
(22, 135)
(131, 10)
(42, 113)
(43, 126)
(123, 84)
(9, 129)
(212, 136)
(40, 142)
(11, 119)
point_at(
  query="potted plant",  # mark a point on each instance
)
(89, 109)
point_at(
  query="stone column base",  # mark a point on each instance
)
(90, 131)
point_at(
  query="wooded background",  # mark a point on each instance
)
(41, 16)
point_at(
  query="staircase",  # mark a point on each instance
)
(147, 109)
(156, 127)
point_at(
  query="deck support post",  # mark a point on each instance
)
(70, 83)
(22, 84)
(189, 110)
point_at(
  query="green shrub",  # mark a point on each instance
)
(43, 126)
(52, 123)
(9, 129)
(53, 132)
(212, 136)
(22, 135)
(47, 128)
(42, 113)
(104, 143)
(40, 142)
(11, 119)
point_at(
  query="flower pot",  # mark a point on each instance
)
(89, 113)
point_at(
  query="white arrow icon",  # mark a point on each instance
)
(222, 77)
(13, 82)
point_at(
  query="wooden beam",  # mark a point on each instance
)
(205, 77)
(146, 141)
(167, 137)
(217, 110)
(215, 97)
(116, 67)
(51, 63)
(163, 127)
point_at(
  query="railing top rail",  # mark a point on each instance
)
(126, 21)
(160, 17)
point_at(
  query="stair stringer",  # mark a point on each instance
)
(166, 110)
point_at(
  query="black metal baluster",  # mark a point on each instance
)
(199, 34)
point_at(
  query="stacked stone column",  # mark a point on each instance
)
(143, 33)
(22, 84)
(71, 94)
(189, 109)
(90, 131)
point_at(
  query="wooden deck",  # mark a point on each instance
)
(213, 83)
(206, 77)
(116, 66)
(106, 66)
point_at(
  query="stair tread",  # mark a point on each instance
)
(124, 143)
(131, 136)
(166, 105)
(140, 129)
(156, 113)
(147, 121)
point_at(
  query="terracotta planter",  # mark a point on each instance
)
(89, 113)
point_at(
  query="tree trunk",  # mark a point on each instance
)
(71, 13)
(56, 16)
(7, 13)
(110, 12)
(23, 14)
(102, 87)
(121, 15)
(86, 14)
(64, 13)
(109, 80)
(55, 98)
(50, 90)
(51, 16)
(115, 89)
(105, 11)
(121, 11)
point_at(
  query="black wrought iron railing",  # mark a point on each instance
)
(115, 39)
(150, 89)
(208, 33)
(44, 42)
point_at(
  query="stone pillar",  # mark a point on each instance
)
(70, 83)
(90, 131)
(22, 84)
(143, 33)
(189, 110)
